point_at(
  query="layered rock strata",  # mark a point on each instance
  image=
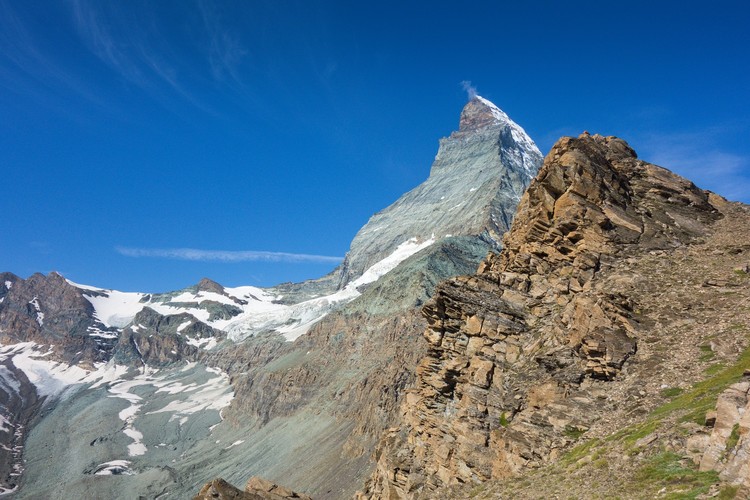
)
(520, 353)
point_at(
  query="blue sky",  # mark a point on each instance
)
(262, 135)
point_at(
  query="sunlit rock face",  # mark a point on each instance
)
(519, 353)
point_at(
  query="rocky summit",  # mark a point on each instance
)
(586, 359)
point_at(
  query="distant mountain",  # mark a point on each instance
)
(110, 394)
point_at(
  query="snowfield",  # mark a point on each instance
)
(259, 310)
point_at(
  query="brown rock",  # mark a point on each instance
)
(556, 328)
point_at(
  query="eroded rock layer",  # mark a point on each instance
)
(520, 354)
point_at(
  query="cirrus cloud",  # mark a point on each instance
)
(195, 254)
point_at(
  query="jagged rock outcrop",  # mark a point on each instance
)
(156, 340)
(726, 448)
(518, 354)
(256, 488)
(50, 311)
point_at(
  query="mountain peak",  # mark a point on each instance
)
(481, 113)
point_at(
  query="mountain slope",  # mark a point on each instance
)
(156, 393)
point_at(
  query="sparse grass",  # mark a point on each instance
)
(504, 422)
(690, 406)
(702, 396)
(733, 439)
(671, 392)
(707, 353)
(728, 492)
(579, 452)
(600, 463)
(714, 369)
(477, 490)
(667, 469)
(574, 432)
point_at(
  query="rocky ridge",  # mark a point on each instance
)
(522, 356)
(256, 489)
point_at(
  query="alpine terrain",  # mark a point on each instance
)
(602, 354)
(108, 394)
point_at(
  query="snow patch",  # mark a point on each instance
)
(136, 448)
(295, 320)
(114, 467)
(236, 443)
(49, 377)
(214, 394)
(113, 308)
(39, 314)
(206, 343)
(8, 284)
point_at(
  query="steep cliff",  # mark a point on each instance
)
(566, 335)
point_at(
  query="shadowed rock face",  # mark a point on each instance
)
(515, 351)
(48, 310)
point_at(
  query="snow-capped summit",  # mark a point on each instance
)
(481, 113)
(475, 183)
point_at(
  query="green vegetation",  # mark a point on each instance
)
(733, 439)
(702, 396)
(728, 492)
(671, 392)
(707, 353)
(574, 432)
(504, 422)
(580, 451)
(714, 369)
(669, 469)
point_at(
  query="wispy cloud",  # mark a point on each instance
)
(96, 29)
(471, 90)
(698, 156)
(224, 255)
(225, 52)
(133, 48)
(28, 58)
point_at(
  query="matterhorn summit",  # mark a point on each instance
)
(475, 183)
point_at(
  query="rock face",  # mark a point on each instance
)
(519, 353)
(256, 488)
(49, 310)
(726, 448)
(355, 363)
(476, 181)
